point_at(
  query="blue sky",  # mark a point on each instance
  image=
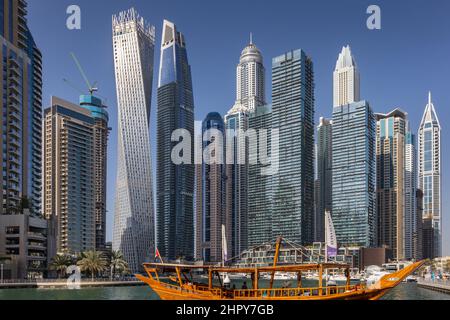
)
(398, 64)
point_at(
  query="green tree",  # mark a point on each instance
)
(60, 263)
(117, 263)
(92, 262)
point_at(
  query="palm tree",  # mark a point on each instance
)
(92, 262)
(60, 263)
(117, 263)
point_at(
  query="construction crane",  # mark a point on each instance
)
(91, 88)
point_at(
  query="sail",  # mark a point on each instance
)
(224, 246)
(330, 236)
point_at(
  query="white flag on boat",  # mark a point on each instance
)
(330, 236)
(224, 245)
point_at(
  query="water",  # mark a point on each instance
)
(405, 291)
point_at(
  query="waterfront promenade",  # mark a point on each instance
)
(63, 284)
(442, 286)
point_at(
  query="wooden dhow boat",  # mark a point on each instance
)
(181, 286)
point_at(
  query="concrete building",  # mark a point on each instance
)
(346, 88)
(23, 246)
(391, 171)
(133, 234)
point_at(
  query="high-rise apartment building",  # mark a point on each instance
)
(293, 115)
(133, 43)
(413, 218)
(210, 193)
(175, 182)
(354, 175)
(324, 177)
(345, 79)
(250, 93)
(429, 158)
(260, 177)
(69, 177)
(21, 105)
(101, 132)
(391, 171)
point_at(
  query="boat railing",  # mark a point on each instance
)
(293, 292)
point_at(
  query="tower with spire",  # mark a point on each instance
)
(346, 79)
(429, 158)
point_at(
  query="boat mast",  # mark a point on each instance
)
(275, 260)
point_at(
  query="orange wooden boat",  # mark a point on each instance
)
(182, 287)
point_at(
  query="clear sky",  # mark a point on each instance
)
(398, 64)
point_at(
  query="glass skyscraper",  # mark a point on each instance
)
(175, 182)
(429, 157)
(133, 42)
(259, 181)
(21, 112)
(250, 93)
(354, 174)
(324, 177)
(293, 115)
(210, 193)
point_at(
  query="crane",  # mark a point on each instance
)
(91, 88)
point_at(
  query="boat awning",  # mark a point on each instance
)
(281, 268)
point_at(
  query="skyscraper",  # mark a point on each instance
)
(69, 196)
(101, 132)
(354, 175)
(133, 42)
(324, 177)
(413, 218)
(175, 182)
(346, 79)
(210, 194)
(259, 180)
(20, 140)
(21, 105)
(429, 157)
(250, 93)
(293, 115)
(391, 198)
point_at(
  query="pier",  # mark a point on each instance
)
(436, 285)
(64, 284)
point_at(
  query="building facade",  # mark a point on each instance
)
(101, 133)
(391, 174)
(210, 193)
(293, 116)
(260, 178)
(68, 197)
(345, 79)
(175, 182)
(429, 157)
(21, 105)
(354, 175)
(324, 162)
(250, 93)
(413, 219)
(133, 44)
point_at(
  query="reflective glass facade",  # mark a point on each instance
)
(175, 183)
(354, 174)
(293, 114)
